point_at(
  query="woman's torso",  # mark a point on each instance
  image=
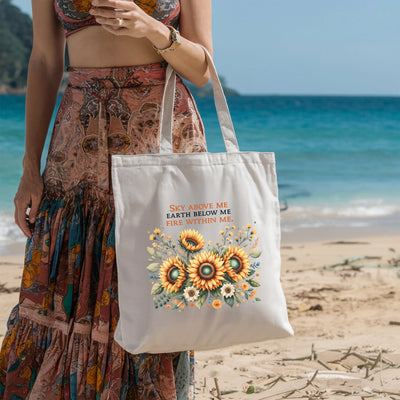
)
(90, 45)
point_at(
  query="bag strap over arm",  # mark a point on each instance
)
(224, 116)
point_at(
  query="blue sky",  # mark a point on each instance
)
(306, 47)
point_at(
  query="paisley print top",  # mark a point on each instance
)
(74, 14)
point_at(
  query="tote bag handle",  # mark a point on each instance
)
(167, 108)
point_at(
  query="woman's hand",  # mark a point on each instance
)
(136, 23)
(29, 194)
(188, 60)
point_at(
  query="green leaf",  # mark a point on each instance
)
(246, 295)
(157, 288)
(186, 283)
(251, 272)
(201, 299)
(214, 250)
(237, 297)
(150, 250)
(255, 253)
(224, 252)
(258, 299)
(153, 267)
(171, 294)
(229, 300)
(180, 291)
(229, 279)
(250, 389)
(216, 293)
(158, 254)
(254, 282)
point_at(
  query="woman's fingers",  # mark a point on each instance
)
(108, 21)
(34, 207)
(109, 13)
(20, 216)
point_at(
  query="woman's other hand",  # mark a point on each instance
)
(136, 23)
(29, 194)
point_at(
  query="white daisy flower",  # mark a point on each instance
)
(227, 290)
(191, 293)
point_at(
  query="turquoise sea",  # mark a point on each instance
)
(338, 158)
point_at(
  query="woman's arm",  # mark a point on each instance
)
(46, 65)
(195, 27)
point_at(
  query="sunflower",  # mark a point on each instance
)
(236, 263)
(206, 270)
(172, 274)
(227, 290)
(191, 240)
(191, 293)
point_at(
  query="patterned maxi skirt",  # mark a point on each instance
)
(59, 341)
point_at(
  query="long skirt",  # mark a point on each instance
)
(59, 341)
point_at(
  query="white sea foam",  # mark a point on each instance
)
(363, 208)
(9, 230)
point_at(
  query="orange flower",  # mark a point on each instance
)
(191, 240)
(217, 303)
(172, 274)
(206, 271)
(244, 286)
(236, 263)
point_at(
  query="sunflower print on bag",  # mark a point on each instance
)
(195, 274)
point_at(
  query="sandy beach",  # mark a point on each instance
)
(343, 301)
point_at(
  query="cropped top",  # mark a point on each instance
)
(74, 14)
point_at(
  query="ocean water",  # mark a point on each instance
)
(338, 158)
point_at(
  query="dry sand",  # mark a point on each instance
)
(346, 321)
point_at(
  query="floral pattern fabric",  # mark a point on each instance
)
(59, 342)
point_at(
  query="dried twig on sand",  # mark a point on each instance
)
(350, 260)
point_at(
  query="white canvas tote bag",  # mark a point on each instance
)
(197, 239)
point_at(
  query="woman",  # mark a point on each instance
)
(59, 342)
